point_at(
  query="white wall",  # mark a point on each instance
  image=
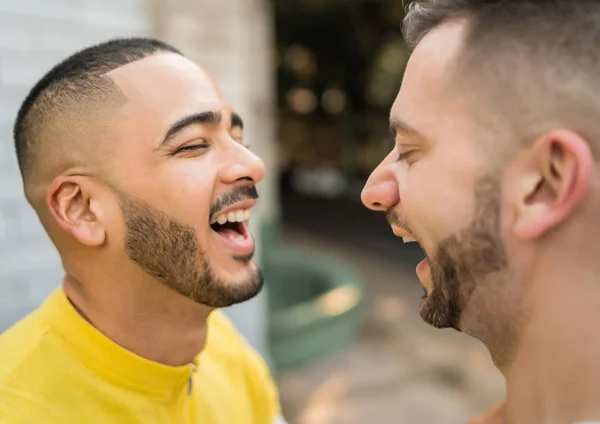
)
(34, 36)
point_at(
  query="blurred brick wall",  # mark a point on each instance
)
(34, 36)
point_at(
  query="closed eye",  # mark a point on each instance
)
(193, 147)
(404, 155)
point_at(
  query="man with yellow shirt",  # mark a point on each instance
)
(135, 165)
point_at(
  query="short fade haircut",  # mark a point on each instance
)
(78, 78)
(534, 62)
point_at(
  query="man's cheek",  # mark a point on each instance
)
(424, 213)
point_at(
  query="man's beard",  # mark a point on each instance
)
(169, 251)
(465, 260)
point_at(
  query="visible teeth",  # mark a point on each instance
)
(233, 216)
(408, 239)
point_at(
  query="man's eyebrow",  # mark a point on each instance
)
(236, 121)
(210, 118)
(398, 126)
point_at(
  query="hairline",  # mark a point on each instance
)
(82, 77)
(502, 116)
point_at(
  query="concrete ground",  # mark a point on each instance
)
(400, 370)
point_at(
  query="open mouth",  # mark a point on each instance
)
(409, 238)
(412, 240)
(232, 228)
(423, 269)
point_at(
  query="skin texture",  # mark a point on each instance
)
(509, 230)
(132, 225)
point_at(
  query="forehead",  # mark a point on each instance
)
(427, 99)
(160, 89)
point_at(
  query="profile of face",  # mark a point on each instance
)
(183, 181)
(492, 212)
(437, 189)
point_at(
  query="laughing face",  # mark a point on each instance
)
(451, 271)
(438, 189)
(184, 182)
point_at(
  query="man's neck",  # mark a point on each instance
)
(555, 377)
(156, 323)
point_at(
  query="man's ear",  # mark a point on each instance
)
(72, 204)
(557, 177)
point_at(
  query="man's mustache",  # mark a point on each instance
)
(236, 195)
(394, 219)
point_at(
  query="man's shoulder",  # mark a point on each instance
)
(33, 357)
(226, 341)
(25, 361)
(229, 351)
(229, 355)
(224, 338)
(20, 344)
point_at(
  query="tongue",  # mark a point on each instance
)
(229, 233)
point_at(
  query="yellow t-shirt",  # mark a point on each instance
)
(55, 368)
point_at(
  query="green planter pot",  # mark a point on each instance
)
(315, 305)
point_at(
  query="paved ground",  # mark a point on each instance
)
(400, 370)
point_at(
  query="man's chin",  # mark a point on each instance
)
(439, 315)
(245, 259)
(243, 284)
(232, 268)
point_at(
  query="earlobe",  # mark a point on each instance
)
(73, 211)
(556, 182)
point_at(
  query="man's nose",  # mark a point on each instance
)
(381, 191)
(242, 164)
